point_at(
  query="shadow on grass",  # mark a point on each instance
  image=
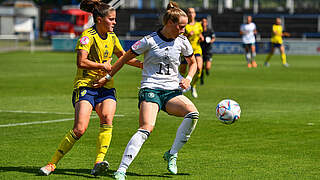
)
(164, 175)
(82, 172)
(35, 170)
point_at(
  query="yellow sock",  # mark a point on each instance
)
(64, 147)
(284, 58)
(269, 57)
(104, 139)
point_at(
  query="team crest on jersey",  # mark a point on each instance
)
(84, 40)
(136, 45)
(151, 95)
(84, 92)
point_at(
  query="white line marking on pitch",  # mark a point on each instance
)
(43, 122)
(34, 112)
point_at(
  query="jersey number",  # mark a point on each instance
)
(166, 69)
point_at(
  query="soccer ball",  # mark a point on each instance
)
(228, 111)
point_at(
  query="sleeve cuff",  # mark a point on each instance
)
(134, 52)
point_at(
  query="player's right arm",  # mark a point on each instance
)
(84, 63)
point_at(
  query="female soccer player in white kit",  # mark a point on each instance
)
(161, 86)
(248, 31)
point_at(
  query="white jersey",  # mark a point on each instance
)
(248, 33)
(161, 60)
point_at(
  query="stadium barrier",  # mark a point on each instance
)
(219, 47)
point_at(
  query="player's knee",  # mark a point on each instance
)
(79, 131)
(106, 118)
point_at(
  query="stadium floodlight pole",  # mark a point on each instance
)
(247, 4)
(290, 6)
(205, 4)
(255, 6)
(220, 6)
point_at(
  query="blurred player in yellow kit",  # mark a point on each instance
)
(193, 32)
(277, 42)
(94, 51)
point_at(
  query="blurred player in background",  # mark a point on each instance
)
(161, 86)
(248, 32)
(94, 50)
(277, 42)
(206, 46)
(194, 34)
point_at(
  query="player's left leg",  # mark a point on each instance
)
(180, 106)
(105, 111)
(283, 56)
(208, 65)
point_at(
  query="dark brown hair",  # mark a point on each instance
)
(96, 7)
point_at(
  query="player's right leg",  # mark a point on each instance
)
(147, 119)
(266, 63)
(83, 111)
(253, 55)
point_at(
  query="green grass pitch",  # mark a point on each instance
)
(277, 136)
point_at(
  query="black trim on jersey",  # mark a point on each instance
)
(99, 34)
(134, 52)
(163, 37)
(189, 55)
(182, 37)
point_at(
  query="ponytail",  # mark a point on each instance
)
(173, 13)
(96, 7)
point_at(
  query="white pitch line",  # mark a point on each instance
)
(36, 122)
(43, 122)
(35, 112)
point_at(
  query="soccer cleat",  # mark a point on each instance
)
(266, 64)
(99, 168)
(47, 170)
(172, 162)
(194, 92)
(254, 64)
(120, 175)
(249, 65)
(286, 65)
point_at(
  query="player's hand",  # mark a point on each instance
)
(286, 34)
(184, 83)
(101, 82)
(107, 66)
(191, 33)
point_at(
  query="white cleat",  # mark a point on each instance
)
(47, 170)
(194, 92)
(286, 65)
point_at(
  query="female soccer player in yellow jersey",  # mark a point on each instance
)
(194, 34)
(94, 50)
(277, 42)
(161, 86)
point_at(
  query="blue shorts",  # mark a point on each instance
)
(276, 45)
(93, 95)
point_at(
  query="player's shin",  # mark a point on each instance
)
(133, 148)
(103, 142)
(184, 131)
(248, 57)
(64, 147)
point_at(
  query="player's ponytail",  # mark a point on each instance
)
(96, 7)
(173, 13)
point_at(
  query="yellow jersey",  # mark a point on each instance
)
(276, 38)
(194, 39)
(99, 50)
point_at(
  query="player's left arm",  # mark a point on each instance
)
(192, 63)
